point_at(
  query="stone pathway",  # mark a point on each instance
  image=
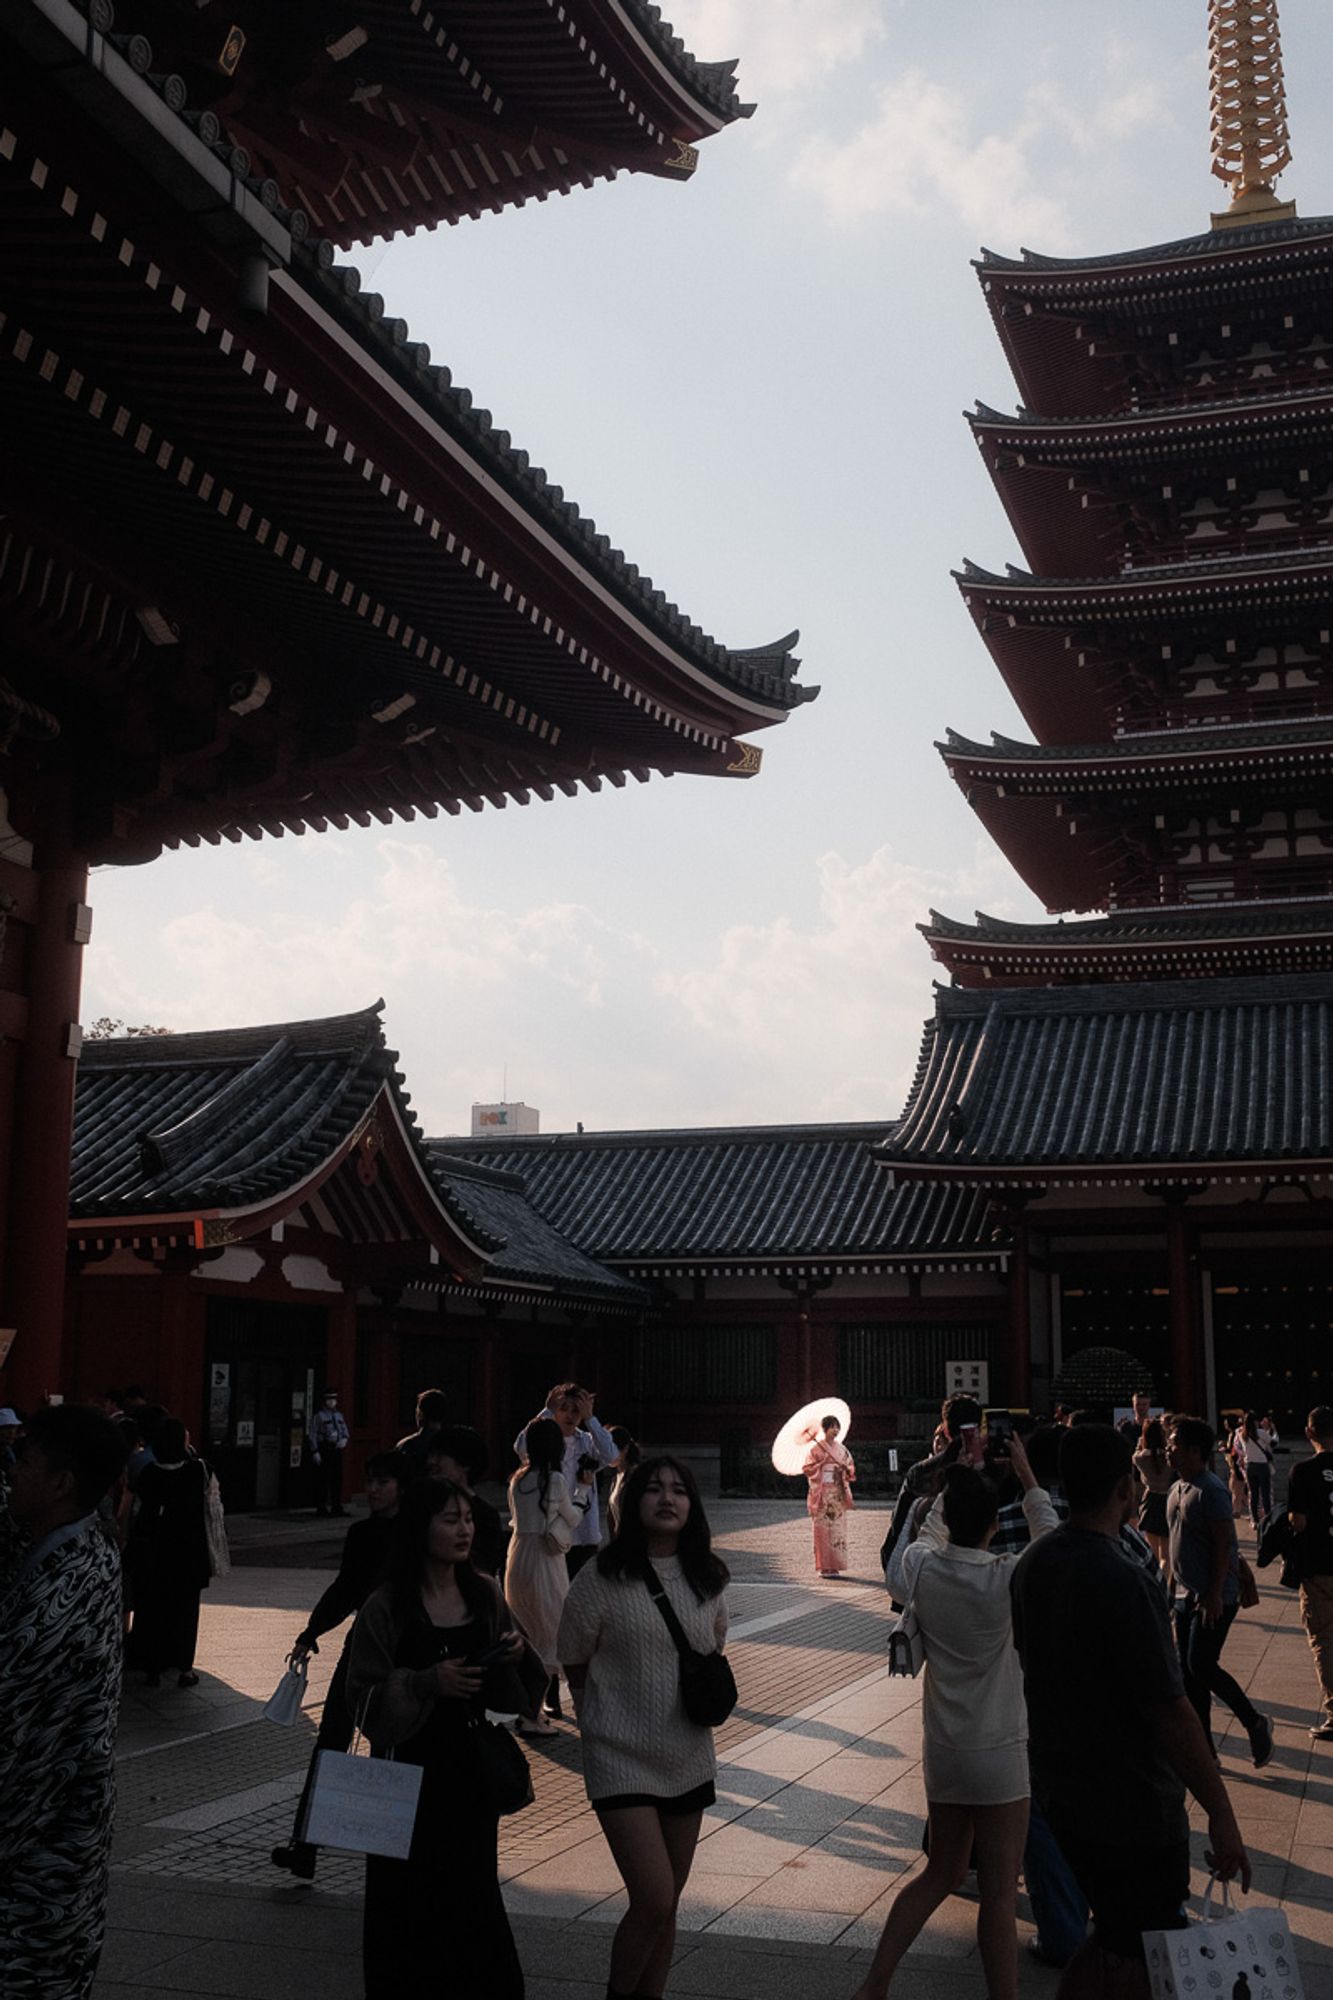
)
(819, 1811)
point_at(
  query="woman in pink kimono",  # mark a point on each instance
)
(829, 1469)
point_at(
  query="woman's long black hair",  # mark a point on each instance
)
(626, 1554)
(544, 1443)
(421, 1502)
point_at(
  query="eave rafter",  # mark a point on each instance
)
(417, 115)
(410, 578)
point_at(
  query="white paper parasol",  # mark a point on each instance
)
(797, 1435)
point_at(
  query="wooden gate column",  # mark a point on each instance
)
(1186, 1318)
(39, 1143)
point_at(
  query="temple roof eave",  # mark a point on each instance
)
(209, 179)
(1210, 251)
(1175, 752)
(1103, 432)
(1189, 924)
(1185, 583)
(1214, 1078)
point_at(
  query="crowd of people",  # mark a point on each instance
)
(458, 1619)
(1072, 1585)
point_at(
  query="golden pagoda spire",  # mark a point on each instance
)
(1249, 105)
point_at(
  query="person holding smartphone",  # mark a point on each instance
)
(431, 1650)
(974, 1719)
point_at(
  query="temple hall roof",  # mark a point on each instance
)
(307, 1122)
(397, 115)
(734, 1199)
(318, 583)
(1215, 1079)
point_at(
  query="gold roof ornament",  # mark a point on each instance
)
(1249, 109)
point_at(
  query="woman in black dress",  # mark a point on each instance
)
(166, 1557)
(436, 1921)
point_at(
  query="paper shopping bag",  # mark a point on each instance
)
(284, 1704)
(1232, 1955)
(365, 1805)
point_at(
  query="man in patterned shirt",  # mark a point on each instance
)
(60, 1627)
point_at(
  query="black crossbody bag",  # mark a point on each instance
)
(707, 1684)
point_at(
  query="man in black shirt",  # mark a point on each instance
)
(1310, 1510)
(1113, 1739)
(365, 1558)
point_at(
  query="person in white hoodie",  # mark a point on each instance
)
(974, 1722)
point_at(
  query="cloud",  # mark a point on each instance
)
(834, 1011)
(919, 152)
(592, 1020)
(783, 45)
(924, 148)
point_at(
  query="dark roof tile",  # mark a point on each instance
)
(730, 1195)
(1168, 1074)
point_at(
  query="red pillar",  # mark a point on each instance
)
(1186, 1331)
(36, 1237)
(180, 1369)
(1019, 1368)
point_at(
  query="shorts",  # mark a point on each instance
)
(685, 1803)
(1152, 1515)
(1130, 1888)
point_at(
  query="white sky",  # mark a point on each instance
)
(753, 383)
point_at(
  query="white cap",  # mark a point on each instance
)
(10, 1420)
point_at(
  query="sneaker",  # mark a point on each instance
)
(1323, 1731)
(1261, 1741)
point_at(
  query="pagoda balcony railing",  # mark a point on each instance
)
(1212, 378)
(1144, 715)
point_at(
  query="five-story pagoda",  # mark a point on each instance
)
(1144, 1092)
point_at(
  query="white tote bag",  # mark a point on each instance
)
(1233, 1955)
(365, 1805)
(284, 1704)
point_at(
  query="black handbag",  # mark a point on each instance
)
(506, 1781)
(707, 1685)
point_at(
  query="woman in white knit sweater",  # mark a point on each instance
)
(649, 1770)
(974, 1723)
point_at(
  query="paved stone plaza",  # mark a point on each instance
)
(819, 1808)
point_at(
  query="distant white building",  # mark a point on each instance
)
(504, 1121)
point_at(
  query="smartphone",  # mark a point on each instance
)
(999, 1430)
(493, 1655)
(969, 1439)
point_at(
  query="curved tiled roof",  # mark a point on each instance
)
(1191, 923)
(1222, 246)
(1185, 419)
(171, 1125)
(767, 672)
(1297, 733)
(168, 1124)
(531, 1250)
(1122, 1079)
(713, 82)
(732, 1195)
(1201, 569)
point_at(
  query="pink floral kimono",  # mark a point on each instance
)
(830, 1471)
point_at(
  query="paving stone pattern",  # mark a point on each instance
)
(819, 1810)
